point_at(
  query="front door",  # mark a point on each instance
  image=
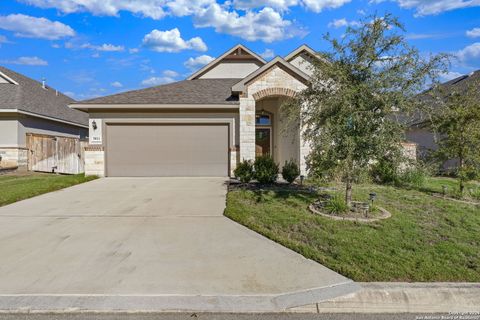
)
(263, 142)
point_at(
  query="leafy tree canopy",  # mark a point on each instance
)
(349, 113)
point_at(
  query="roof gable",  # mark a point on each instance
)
(240, 86)
(239, 53)
(302, 49)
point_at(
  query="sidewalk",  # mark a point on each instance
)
(400, 297)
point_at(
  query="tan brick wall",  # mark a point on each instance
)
(94, 161)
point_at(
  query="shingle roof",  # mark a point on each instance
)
(29, 96)
(459, 84)
(199, 91)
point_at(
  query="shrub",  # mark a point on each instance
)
(415, 177)
(290, 171)
(266, 170)
(244, 171)
(336, 205)
(384, 171)
(474, 193)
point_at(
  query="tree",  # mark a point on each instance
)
(456, 119)
(349, 111)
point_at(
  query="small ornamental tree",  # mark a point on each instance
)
(457, 123)
(349, 111)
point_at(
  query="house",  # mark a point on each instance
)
(30, 107)
(225, 112)
(420, 132)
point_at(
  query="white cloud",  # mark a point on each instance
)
(429, 7)
(32, 27)
(170, 73)
(156, 81)
(182, 8)
(319, 5)
(267, 54)
(258, 20)
(283, 5)
(133, 50)
(340, 23)
(28, 61)
(450, 75)
(147, 8)
(469, 53)
(200, 61)
(116, 84)
(168, 76)
(157, 9)
(277, 4)
(171, 41)
(106, 47)
(266, 25)
(474, 33)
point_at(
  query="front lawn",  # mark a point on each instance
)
(426, 239)
(436, 184)
(15, 187)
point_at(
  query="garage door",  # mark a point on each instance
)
(156, 150)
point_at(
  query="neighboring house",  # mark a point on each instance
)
(420, 131)
(226, 112)
(30, 107)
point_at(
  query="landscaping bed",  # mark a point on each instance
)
(426, 239)
(16, 187)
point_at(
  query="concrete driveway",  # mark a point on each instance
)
(148, 244)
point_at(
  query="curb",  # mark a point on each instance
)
(401, 297)
(169, 303)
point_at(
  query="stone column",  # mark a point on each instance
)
(304, 152)
(305, 149)
(94, 161)
(247, 129)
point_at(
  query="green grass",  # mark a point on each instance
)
(435, 185)
(18, 187)
(426, 239)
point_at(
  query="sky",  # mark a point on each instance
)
(90, 48)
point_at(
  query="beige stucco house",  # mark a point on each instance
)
(30, 107)
(225, 112)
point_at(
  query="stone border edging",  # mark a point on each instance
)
(385, 215)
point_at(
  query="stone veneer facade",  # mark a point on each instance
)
(14, 157)
(274, 82)
(94, 161)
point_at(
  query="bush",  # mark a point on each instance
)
(266, 170)
(336, 205)
(474, 193)
(384, 171)
(244, 171)
(290, 171)
(414, 176)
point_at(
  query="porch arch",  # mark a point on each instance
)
(273, 92)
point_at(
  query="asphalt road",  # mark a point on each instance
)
(226, 316)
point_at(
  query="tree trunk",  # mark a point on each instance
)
(462, 185)
(348, 192)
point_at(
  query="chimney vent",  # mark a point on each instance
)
(44, 85)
